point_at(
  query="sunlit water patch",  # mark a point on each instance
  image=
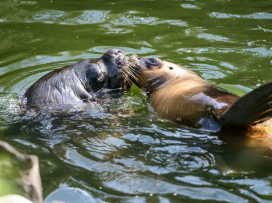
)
(261, 15)
(189, 6)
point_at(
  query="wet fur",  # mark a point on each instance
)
(178, 94)
(62, 86)
(80, 82)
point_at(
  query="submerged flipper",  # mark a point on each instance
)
(254, 107)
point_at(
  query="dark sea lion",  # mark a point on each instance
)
(178, 94)
(80, 82)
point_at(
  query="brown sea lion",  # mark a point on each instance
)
(178, 94)
(80, 82)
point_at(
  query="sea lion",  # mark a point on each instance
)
(180, 95)
(80, 82)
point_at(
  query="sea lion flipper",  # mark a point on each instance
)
(254, 107)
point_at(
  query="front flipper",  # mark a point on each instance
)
(254, 107)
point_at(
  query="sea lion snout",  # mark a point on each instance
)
(142, 64)
(114, 56)
(113, 52)
(148, 62)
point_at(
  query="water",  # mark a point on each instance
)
(121, 151)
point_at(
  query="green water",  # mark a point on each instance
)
(127, 153)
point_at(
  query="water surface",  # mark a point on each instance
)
(121, 151)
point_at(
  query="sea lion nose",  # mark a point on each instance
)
(114, 51)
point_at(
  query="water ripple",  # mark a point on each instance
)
(121, 151)
(70, 195)
(260, 186)
(262, 15)
(61, 17)
(146, 185)
(189, 6)
(255, 51)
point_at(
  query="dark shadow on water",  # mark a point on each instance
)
(240, 151)
(245, 152)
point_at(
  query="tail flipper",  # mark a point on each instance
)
(254, 107)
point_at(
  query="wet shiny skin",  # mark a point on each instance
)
(178, 94)
(78, 83)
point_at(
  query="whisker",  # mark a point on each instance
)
(126, 77)
(131, 74)
(130, 68)
(99, 91)
(128, 71)
(134, 71)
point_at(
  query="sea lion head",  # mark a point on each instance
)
(112, 75)
(152, 73)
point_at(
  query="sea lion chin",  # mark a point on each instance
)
(180, 95)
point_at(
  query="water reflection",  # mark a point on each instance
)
(258, 51)
(189, 6)
(71, 18)
(121, 151)
(128, 156)
(262, 15)
(70, 195)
